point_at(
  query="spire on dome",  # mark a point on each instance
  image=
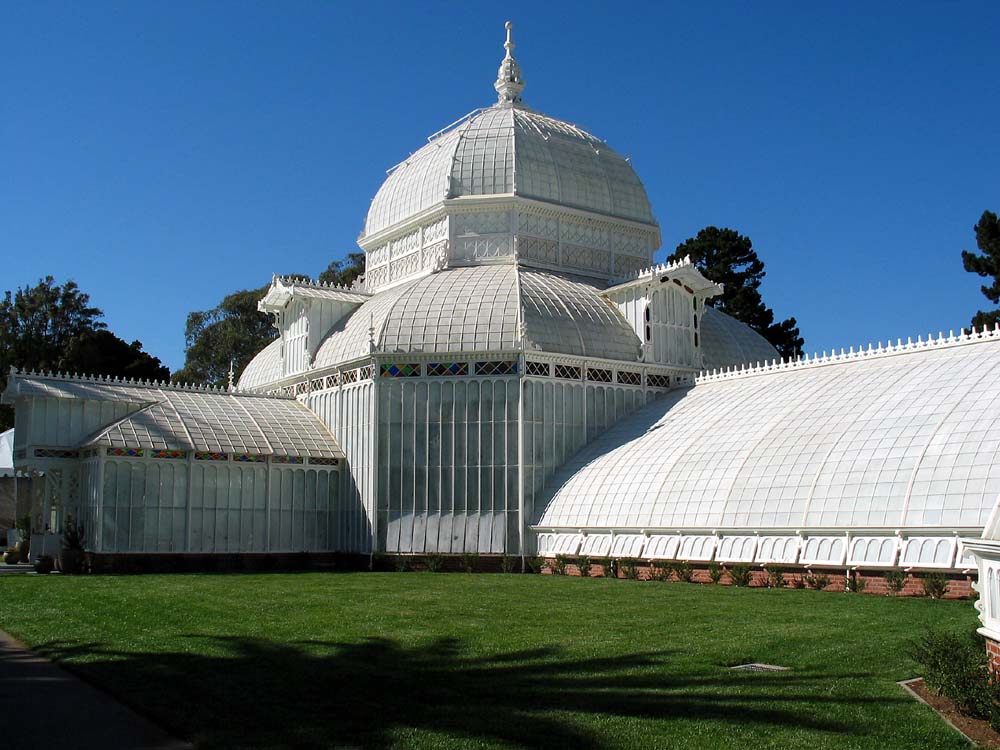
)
(509, 84)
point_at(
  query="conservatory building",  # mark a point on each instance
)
(514, 375)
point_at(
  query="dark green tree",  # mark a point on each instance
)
(986, 264)
(727, 257)
(234, 331)
(102, 353)
(53, 326)
(345, 270)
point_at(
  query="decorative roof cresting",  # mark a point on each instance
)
(509, 83)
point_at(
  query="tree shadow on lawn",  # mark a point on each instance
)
(253, 692)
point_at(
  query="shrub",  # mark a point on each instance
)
(631, 567)
(895, 580)
(584, 565)
(714, 572)
(435, 563)
(44, 564)
(855, 583)
(683, 571)
(470, 562)
(400, 563)
(609, 568)
(561, 562)
(507, 563)
(534, 564)
(659, 570)
(740, 575)
(935, 585)
(956, 665)
(817, 581)
(775, 577)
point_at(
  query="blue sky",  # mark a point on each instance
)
(165, 154)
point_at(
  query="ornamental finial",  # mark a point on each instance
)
(509, 84)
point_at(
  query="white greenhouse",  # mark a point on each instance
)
(514, 375)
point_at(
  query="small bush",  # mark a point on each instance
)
(775, 577)
(584, 566)
(561, 562)
(609, 568)
(470, 562)
(955, 664)
(817, 581)
(435, 563)
(659, 570)
(507, 563)
(741, 575)
(631, 568)
(799, 582)
(534, 564)
(683, 571)
(714, 572)
(855, 583)
(400, 563)
(895, 580)
(935, 585)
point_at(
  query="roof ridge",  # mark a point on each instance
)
(305, 281)
(873, 351)
(129, 382)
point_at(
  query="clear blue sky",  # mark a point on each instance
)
(165, 154)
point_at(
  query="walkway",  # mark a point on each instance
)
(48, 707)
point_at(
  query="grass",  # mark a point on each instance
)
(415, 660)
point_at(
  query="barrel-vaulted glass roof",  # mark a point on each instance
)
(169, 417)
(726, 342)
(908, 438)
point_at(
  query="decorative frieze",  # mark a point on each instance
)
(482, 248)
(585, 257)
(535, 248)
(481, 222)
(436, 231)
(56, 453)
(532, 367)
(405, 266)
(538, 226)
(210, 456)
(447, 369)
(404, 245)
(407, 370)
(172, 455)
(503, 367)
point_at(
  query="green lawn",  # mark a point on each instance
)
(401, 660)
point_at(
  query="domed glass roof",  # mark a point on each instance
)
(508, 149)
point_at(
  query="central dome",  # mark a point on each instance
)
(509, 149)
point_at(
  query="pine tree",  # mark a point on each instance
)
(728, 258)
(986, 265)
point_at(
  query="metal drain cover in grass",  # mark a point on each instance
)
(757, 667)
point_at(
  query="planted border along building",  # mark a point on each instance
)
(513, 375)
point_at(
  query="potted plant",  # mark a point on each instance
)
(71, 555)
(12, 556)
(23, 525)
(44, 564)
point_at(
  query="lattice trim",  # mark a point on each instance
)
(627, 377)
(406, 370)
(447, 369)
(287, 460)
(168, 454)
(126, 452)
(503, 367)
(599, 375)
(567, 372)
(56, 453)
(536, 368)
(210, 456)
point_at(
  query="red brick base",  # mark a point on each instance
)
(993, 651)
(959, 586)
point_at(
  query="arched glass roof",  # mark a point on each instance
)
(264, 368)
(726, 342)
(905, 439)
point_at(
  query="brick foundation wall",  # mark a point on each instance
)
(993, 652)
(959, 586)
